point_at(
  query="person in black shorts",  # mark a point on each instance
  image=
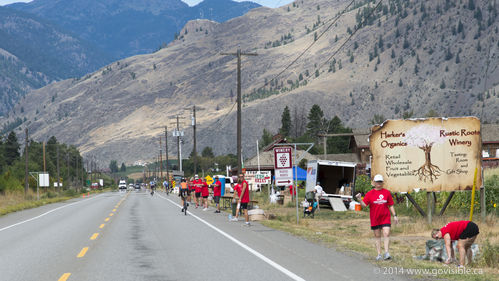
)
(464, 232)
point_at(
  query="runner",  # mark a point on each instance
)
(235, 200)
(217, 193)
(205, 192)
(244, 198)
(465, 232)
(192, 189)
(198, 185)
(380, 203)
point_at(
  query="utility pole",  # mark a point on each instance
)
(194, 144)
(26, 174)
(166, 154)
(58, 177)
(160, 158)
(44, 168)
(178, 145)
(238, 54)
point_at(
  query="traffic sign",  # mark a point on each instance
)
(282, 158)
(209, 180)
(173, 183)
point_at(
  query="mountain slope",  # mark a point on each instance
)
(407, 56)
(36, 52)
(130, 27)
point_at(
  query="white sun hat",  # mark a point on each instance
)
(378, 177)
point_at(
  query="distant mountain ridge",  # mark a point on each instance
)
(407, 59)
(35, 52)
(130, 27)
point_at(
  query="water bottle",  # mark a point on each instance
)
(230, 216)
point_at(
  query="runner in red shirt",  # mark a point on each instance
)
(235, 198)
(465, 232)
(380, 204)
(217, 193)
(197, 188)
(192, 189)
(205, 192)
(244, 198)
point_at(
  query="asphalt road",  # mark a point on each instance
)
(136, 236)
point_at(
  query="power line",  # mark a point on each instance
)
(310, 45)
(351, 35)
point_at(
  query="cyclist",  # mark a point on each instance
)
(152, 184)
(165, 185)
(184, 194)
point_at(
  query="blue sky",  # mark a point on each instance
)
(268, 3)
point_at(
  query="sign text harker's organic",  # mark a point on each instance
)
(436, 154)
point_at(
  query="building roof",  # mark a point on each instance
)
(267, 159)
(490, 133)
(361, 137)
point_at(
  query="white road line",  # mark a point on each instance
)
(46, 213)
(244, 246)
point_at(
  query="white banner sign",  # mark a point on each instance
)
(43, 179)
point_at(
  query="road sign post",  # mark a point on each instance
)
(281, 162)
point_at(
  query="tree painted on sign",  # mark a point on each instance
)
(425, 137)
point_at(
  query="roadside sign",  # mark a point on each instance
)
(283, 165)
(43, 179)
(263, 177)
(209, 180)
(283, 177)
(282, 158)
(173, 183)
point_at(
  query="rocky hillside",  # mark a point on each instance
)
(34, 52)
(406, 56)
(130, 27)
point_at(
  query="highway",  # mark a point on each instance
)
(135, 236)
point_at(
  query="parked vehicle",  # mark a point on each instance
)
(94, 186)
(332, 175)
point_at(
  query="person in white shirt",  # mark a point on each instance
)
(318, 193)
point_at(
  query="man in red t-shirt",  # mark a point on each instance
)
(244, 198)
(235, 199)
(464, 232)
(217, 193)
(380, 204)
(205, 192)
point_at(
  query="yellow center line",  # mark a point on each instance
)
(107, 219)
(111, 214)
(82, 252)
(64, 277)
(94, 236)
(101, 226)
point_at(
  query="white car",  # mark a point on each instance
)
(122, 185)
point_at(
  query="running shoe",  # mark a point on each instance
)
(379, 257)
(205, 209)
(247, 223)
(234, 219)
(387, 256)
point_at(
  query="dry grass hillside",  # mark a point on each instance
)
(407, 56)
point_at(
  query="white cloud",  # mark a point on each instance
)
(5, 2)
(268, 3)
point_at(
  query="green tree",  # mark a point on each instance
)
(316, 121)
(207, 152)
(431, 113)
(407, 114)
(266, 138)
(377, 119)
(285, 122)
(123, 167)
(113, 166)
(338, 144)
(11, 149)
